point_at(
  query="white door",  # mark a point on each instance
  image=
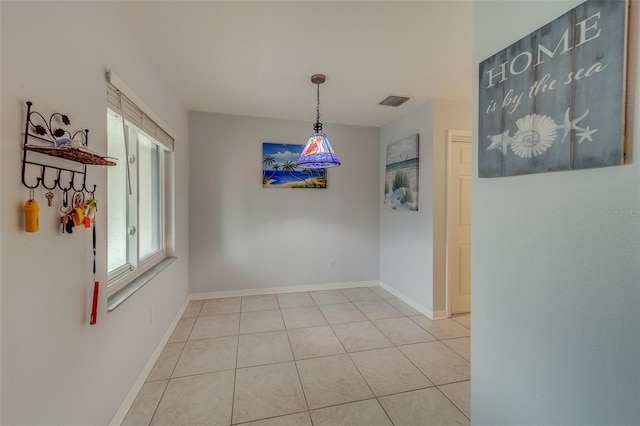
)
(459, 225)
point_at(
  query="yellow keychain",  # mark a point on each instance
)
(31, 210)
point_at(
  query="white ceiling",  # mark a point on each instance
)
(256, 58)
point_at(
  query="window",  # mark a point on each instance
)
(137, 194)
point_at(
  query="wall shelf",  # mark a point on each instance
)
(50, 137)
(73, 154)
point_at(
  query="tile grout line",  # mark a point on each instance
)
(235, 371)
(454, 404)
(280, 362)
(155, 411)
(356, 366)
(202, 374)
(385, 411)
(338, 339)
(412, 363)
(438, 338)
(369, 386)
(345, 352)
(406, 357)
(158, 404)
(435, 385)
(269, 418)
(295, 364)
(419, 369)
(463, 357)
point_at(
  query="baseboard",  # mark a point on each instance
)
(118, 418)
(434, 315)
(440, 315)
(288, 289)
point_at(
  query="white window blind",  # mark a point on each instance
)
(118, 102)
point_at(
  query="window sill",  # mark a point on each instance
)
(127, 291)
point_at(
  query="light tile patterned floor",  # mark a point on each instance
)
(352, 357)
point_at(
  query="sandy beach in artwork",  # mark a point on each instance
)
(312, 182)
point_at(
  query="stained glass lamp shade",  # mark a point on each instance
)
(318, 153)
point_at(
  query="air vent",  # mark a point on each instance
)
(394, 101)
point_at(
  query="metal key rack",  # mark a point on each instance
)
(50, 137)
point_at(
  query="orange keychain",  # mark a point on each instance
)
(31, 210)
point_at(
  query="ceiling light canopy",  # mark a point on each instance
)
(318, 153)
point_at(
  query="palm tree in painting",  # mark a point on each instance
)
(290, 166)
(308, 172)
(275, 168)
(313, 173)
(269, 161)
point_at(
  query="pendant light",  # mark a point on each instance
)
(318, 153)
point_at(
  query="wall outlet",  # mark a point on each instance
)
(332, 262)
(152, 314)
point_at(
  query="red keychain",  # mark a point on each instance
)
(94, 308)
(96, 284)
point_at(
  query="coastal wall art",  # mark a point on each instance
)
(555, 100)
(280, 168)
(401, 181)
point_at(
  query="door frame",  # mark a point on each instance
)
(464, 136)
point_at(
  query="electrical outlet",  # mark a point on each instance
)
(332, 262)
(152, 314)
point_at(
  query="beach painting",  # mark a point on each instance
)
(280, 168)
(401, 181)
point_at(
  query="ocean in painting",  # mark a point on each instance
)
(286, 178)
(407, 164)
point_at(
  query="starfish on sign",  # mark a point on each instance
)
(586, 134)
(500, 141)
(569, 125)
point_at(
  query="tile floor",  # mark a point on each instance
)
(357, 356)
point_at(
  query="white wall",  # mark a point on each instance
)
(406, 237)
(245, 236)
(413, 244)
(56, 368)
(556, 282)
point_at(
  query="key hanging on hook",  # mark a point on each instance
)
(64, 218)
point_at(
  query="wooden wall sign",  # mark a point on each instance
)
(555, 100)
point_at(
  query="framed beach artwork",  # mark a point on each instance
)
(555, 100)
(401, 180)
(280, 168)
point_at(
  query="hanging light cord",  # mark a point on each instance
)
(318, 126)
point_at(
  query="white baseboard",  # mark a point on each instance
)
(440, 315)
(288, 289)
(118, 418)
(434, 315)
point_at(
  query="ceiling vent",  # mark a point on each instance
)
(394, 101)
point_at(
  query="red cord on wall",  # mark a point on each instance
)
(94, 308)
(96, 284)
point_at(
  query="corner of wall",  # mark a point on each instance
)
(448, 115)
(406, 237)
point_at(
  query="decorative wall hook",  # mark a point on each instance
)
(50, 137)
